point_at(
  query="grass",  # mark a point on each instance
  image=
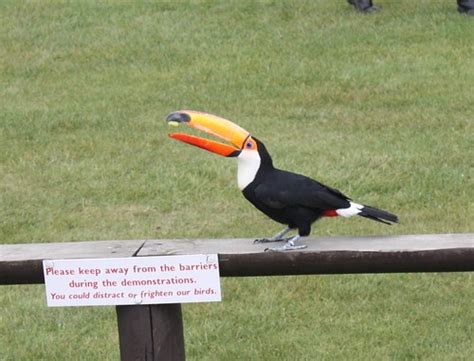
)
(378, 106)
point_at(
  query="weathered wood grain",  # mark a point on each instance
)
(332, 255)
(151, 332)
(398, 243)
(22, 263)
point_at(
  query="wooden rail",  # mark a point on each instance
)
(155, 332)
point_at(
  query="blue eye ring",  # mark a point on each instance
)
(248, 144)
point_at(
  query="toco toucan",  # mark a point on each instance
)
(288, 198)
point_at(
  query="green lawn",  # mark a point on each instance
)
(379, 106)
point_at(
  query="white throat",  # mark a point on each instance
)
(248, 163)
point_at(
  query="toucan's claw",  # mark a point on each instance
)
(267, 240)
(276, 238)
(286, 247)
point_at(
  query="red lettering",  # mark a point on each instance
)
(50, 271)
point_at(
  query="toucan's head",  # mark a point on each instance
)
(250, 152)
(240, 140)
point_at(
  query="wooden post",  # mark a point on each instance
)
(151, 332)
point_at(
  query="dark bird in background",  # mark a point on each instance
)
(288, 198)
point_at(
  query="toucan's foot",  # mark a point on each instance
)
(276, 238)
(288, 246)
(267, 240)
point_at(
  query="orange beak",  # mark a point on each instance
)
(210, 124)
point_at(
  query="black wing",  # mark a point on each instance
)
(283, 189)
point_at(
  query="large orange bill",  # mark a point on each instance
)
(210, 124)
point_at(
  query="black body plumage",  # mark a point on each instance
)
(296, 200)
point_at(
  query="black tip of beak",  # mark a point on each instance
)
(178, 117)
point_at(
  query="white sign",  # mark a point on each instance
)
(132, 281)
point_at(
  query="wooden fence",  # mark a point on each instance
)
(155, 332)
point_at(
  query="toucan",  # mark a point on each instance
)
(288, 198)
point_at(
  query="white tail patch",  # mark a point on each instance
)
(354, 209)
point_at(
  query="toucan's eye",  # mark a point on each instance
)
(249, 145)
